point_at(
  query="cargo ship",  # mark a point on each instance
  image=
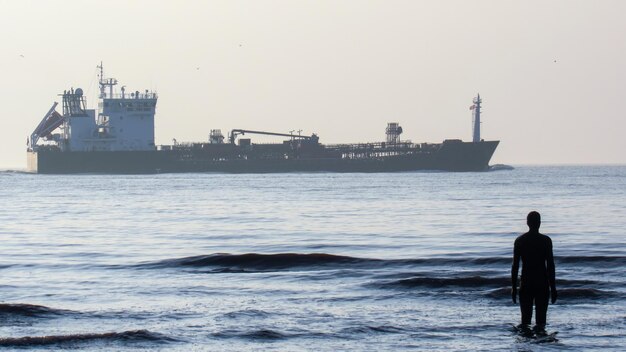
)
(118, 138)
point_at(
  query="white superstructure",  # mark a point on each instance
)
(123, 122)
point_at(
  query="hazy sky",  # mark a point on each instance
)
(552, 74)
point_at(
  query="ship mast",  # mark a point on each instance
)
(476, 115)
(109, 82)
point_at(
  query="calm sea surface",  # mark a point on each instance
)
(394, 262)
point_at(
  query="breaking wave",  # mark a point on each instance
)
(224, 262)
(30, 310)
(125, 336)
(254, 261)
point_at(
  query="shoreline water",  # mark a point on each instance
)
(404, 261)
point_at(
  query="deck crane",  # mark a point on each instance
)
(234, 133)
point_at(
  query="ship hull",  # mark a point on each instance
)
(462, 156)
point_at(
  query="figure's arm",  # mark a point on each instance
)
(514, 271)
(551, 271)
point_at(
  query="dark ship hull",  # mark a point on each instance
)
(451, 155)
(118, 138)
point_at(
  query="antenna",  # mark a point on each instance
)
(110, 82)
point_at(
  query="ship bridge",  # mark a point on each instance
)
(124, 121)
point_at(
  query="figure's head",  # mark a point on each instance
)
(533, 220)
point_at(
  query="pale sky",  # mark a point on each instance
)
(552, 74)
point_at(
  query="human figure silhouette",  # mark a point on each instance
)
(537, 284)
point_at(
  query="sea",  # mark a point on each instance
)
(306, 261)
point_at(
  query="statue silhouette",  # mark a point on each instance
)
(538, 273)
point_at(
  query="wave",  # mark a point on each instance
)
(274, 335)
(474, 281)
(257, 261)
(565, 294)
(441, 282)
(233, 263)
(13, 171)
(30, 310)
(247, 313)
(592, 259)
(125, 336)
(500, 167)
(267, 334)
(583, 293)
(369, 329)
(283, 261)
(260, 334)
(609, 260)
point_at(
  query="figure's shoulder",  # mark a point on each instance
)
(546, 238)
(521, 238)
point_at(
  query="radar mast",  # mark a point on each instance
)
(476, 112)
(105, 82)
